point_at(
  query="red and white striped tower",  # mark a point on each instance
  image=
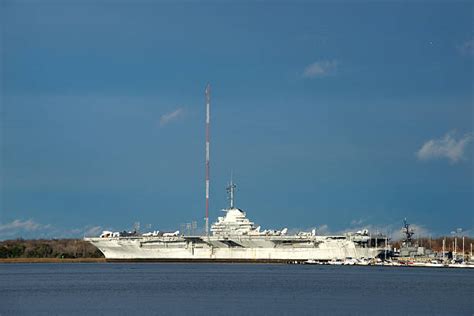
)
(208, 118)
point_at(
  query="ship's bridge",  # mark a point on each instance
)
(234, 222)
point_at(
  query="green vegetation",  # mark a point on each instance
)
(54, 248)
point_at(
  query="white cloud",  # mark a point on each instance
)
(369, 227)
(18, 228)
(18, 224)
(30, 229)
(92, 231)
(419, 230)
(320, 230)
(323, 230)
(321, 68)
(171, 116)
(357, 222)
(446, 147)
(467, 48)
(78, 232)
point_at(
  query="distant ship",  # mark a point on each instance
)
(409, 247)
(234, 238)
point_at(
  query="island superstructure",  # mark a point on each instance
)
(233, 237)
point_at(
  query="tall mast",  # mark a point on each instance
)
(208, 121)
(230, 191)
(444, 241)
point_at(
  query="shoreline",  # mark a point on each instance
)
(104, 260)
(52, 260)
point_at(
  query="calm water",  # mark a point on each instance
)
(146, 288)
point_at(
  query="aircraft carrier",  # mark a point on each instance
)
(234, 238)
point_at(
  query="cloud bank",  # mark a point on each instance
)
(447, 147)
(321, 68)
(20, 228)
(171, 116)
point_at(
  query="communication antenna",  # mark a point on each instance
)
(208, 119)
(231, 191)
(409, 232)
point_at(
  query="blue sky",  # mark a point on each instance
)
(331, 115)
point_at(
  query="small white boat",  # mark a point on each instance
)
(434, 263)
(350, 261)
(336, 262)
(363, 262)
(461, 265)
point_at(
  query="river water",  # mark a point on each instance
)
(169, 289)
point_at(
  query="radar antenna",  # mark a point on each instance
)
(231, 190)
(409, 232)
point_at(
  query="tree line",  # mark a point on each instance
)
(48, 248)
(436, 244)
